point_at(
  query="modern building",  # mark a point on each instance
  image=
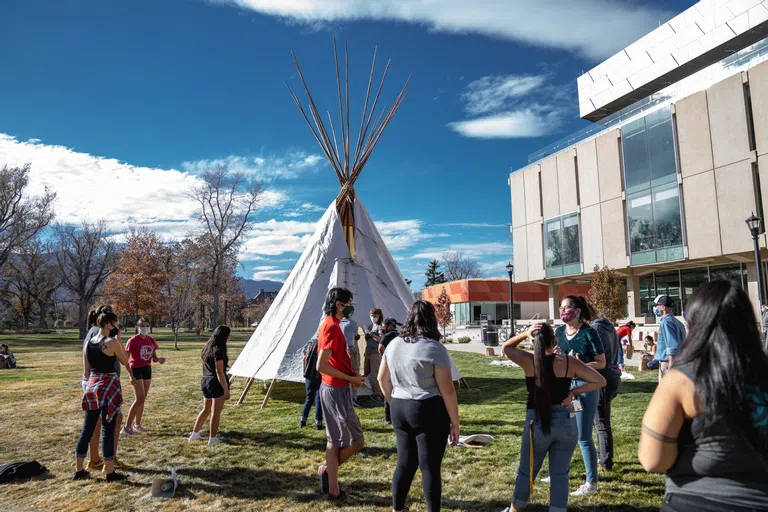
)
(660, 186)
(471, 298)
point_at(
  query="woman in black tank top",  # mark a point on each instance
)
(550, 426)
(706, 426)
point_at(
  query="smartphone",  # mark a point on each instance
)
(576, 405)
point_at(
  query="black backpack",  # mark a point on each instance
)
(20, 470)
(310, 360)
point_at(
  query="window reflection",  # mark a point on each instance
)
(562, 255)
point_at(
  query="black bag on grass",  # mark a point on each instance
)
(21, 470)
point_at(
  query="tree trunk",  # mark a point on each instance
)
(82, 313)
(216, 305)
(25, 321)
(43, 305)
(175, 329)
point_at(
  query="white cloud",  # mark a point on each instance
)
(492, 93)
(402, 234)
(91, 187)
(262, 168)
(593, 28)
(474, 251)
(474, 225)
(270, 275)
(530, 122)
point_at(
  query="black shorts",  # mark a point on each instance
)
(142, 373)
(211, 388)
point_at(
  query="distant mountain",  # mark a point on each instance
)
(252, 287)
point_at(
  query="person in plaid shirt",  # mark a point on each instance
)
(102, 396)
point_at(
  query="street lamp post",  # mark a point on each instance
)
(511, 272)
(753, 222)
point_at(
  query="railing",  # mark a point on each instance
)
(743, 59)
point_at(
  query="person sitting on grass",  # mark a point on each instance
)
(214, 384)
(142, 349)
(102, 397)
(94, 461)
(342, 426)
(6, 357)
(550, 423)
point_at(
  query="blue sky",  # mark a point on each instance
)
(141, 95)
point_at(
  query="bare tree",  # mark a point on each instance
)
(180, 269)
(227, 201)
(85, 256)
(33, 279)
(458, 267)
(22, 216)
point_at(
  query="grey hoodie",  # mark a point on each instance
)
(614, 355)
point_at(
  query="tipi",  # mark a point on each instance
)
(346, 250)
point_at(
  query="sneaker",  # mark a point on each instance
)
(330, 497)
(139, 428)
(320, 426)
(214, 440)
(97, 465)
(302, 423)
(128, 431)
(586, 488)
(195, 437)
(115, 477)
(322, 472)
(121, 465)
(546, 480)
(81, 475)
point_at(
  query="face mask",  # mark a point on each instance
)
(374, 320)
(657, 312)
(114, 332)
(568, 315)
(144, 330)
(348, 311)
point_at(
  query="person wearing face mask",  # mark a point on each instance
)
(143, 350)
(372, 355)
(671, 334)
(578, 339)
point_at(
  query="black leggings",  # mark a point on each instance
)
(421, 429)
(91, 418)
(676, 502)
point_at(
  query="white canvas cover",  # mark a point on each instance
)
(275, 348)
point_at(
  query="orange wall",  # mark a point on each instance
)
(497, 290)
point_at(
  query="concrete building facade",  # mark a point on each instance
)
(658, 189)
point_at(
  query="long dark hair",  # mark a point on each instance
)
(723, 344)
(336, 294)
(579, 302)
(421, 321)
(218, 340)
(543, 339)
(93, 315)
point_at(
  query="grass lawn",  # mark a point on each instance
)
(266, 462)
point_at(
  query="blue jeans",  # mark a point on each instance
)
(90, 419)
(585, 420)
(559, 444)
(312, 396)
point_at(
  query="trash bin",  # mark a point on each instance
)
(492, 338)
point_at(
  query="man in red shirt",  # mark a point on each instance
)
(342, 426)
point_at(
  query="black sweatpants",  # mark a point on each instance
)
(603, 423)
(421, 430)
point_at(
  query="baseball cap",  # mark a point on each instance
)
(391, 321)
(663, 300)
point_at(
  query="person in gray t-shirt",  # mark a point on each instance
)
(415, 377)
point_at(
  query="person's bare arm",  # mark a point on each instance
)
(323, 366)
(520, 357)
(222, 378)
(448, 392)
(156, 358)
(598, 363)
(385, 380)
(662, 422)
(86, 364)
(117, 350)
(593, 380)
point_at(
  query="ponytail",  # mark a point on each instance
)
(92, 318)
(587, 311)
(544, 375)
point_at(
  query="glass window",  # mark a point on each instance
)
(562, 254)
(691, 279)
(653, 197)
(668, 283)
(647, 295)
(734, 273)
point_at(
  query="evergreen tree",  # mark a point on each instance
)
(434, 276)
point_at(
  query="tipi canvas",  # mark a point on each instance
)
(345, 251)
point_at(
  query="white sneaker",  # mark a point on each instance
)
(128, 431)
(195, 437)
(214, 440)
(546, 480)
(586, 488)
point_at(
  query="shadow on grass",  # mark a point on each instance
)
(643, 386)
(264, 484)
